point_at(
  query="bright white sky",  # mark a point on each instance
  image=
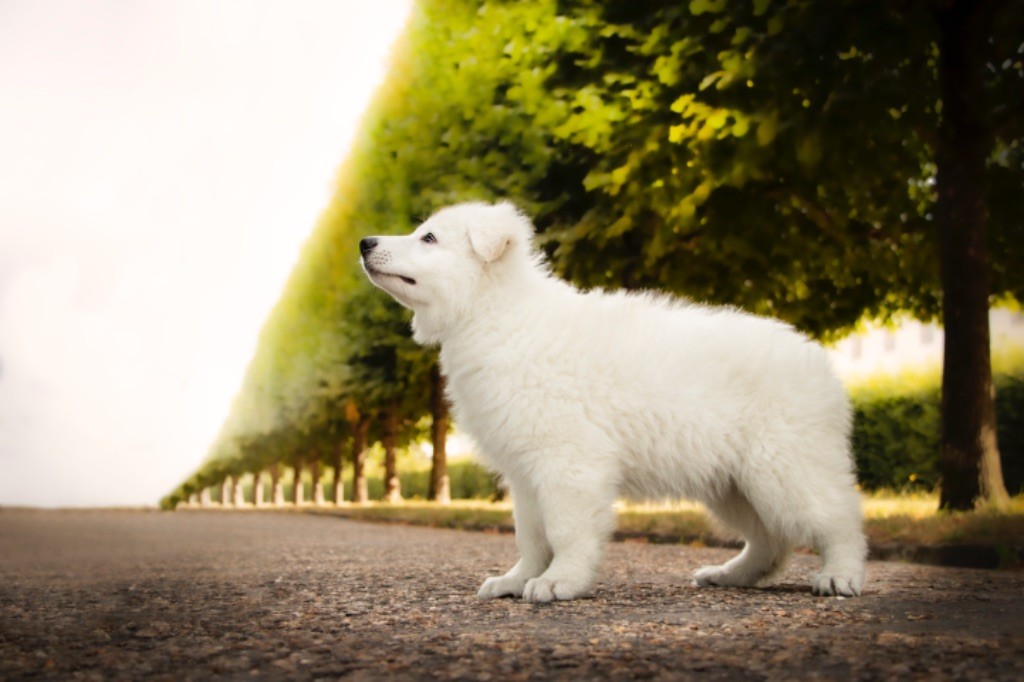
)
(160, 165)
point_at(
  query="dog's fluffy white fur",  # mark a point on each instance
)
(579, 398)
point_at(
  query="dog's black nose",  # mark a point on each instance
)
(366, 245)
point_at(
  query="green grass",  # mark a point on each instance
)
(460, 514)
(910, 519)
(914, 519)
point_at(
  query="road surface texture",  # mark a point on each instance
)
(239, 595)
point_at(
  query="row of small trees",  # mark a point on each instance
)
(267, 488)
(264, 457)
(815, 160)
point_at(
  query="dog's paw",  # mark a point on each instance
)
(719, 576)
(502, 586)
(707, 575)
(829, 585)
(544, 590)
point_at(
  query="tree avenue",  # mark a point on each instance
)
(819, 161)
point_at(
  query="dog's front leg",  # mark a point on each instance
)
(534, 551)
(578, 519)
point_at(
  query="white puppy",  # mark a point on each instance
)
(578, 398)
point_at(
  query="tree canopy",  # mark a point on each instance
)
(774, 155)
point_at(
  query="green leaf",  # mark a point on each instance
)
(808, 151)
(718, 119)
(766, 128)
(710, 79)
(620, 227)
(741, 126)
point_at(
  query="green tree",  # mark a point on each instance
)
(807, 160)
(388, 372)
(972, 133)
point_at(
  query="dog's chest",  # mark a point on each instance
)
(498, 404)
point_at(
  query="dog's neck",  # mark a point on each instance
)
(504, 286)
(503, 300)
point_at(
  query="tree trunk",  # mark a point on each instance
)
(971, 471)
(276, 485)
(225, 492)
(339, 465)
(360, 492)
(318, 484)
(440, 487)
(193, 500)
(500, 492)
(297, 492)
(238, 492)
(389, 427)
(257, 489)
(204, 497)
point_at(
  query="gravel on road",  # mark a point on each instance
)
(230, 595)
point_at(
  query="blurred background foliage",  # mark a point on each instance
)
(896, 427)
(778, 156)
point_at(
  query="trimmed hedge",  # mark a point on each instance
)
(1010, 427)
(896, 435)
(468, 480)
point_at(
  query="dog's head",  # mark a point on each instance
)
(440, 269)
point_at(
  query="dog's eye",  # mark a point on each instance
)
(429, 238)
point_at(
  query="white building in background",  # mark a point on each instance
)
(913, 345)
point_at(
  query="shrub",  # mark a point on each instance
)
(1010, 427)
(468, 480)
(897, 426)
(896, 441)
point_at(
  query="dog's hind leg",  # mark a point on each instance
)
(819, 507)
(840, 539)
(763, 557)
(534, 551)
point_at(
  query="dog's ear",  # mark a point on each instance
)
(489, 241)
(504, 228)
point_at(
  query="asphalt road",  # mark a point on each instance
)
(241, 595)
